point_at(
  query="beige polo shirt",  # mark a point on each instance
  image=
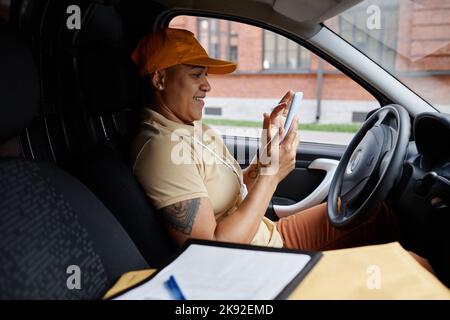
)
(171, 165)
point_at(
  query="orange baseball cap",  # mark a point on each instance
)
(169, 47)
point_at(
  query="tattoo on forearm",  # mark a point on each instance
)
(253, 173)
(181, 215)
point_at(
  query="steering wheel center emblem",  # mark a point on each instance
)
(354, 161)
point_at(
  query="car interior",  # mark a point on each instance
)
(70, 105)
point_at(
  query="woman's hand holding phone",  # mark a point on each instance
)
(273, 132)
(282, 116)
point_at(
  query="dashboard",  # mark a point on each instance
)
(421, 199)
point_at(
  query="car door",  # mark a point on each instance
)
(306, 185)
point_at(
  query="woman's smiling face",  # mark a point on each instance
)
(185, 88)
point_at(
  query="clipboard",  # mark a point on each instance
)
(229, 250)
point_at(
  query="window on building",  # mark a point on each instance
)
(217, 37)
(233, 47)
(380, 41)
(281, 53)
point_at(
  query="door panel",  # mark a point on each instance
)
(302, 181)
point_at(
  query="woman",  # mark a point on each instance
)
(206, 199)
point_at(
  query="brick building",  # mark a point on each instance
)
(423, 48)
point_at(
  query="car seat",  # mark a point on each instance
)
(109, 92)
(49, 221)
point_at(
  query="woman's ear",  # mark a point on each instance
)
(158, 78)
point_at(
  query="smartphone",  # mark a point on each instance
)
(293, 111)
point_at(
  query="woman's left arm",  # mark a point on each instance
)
(251, 173)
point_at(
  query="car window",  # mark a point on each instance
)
(408, 38)
(333, 106)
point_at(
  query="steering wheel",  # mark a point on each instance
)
(369, 167)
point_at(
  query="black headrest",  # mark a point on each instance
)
(110, 78)
(103, 27)
(19, 86)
